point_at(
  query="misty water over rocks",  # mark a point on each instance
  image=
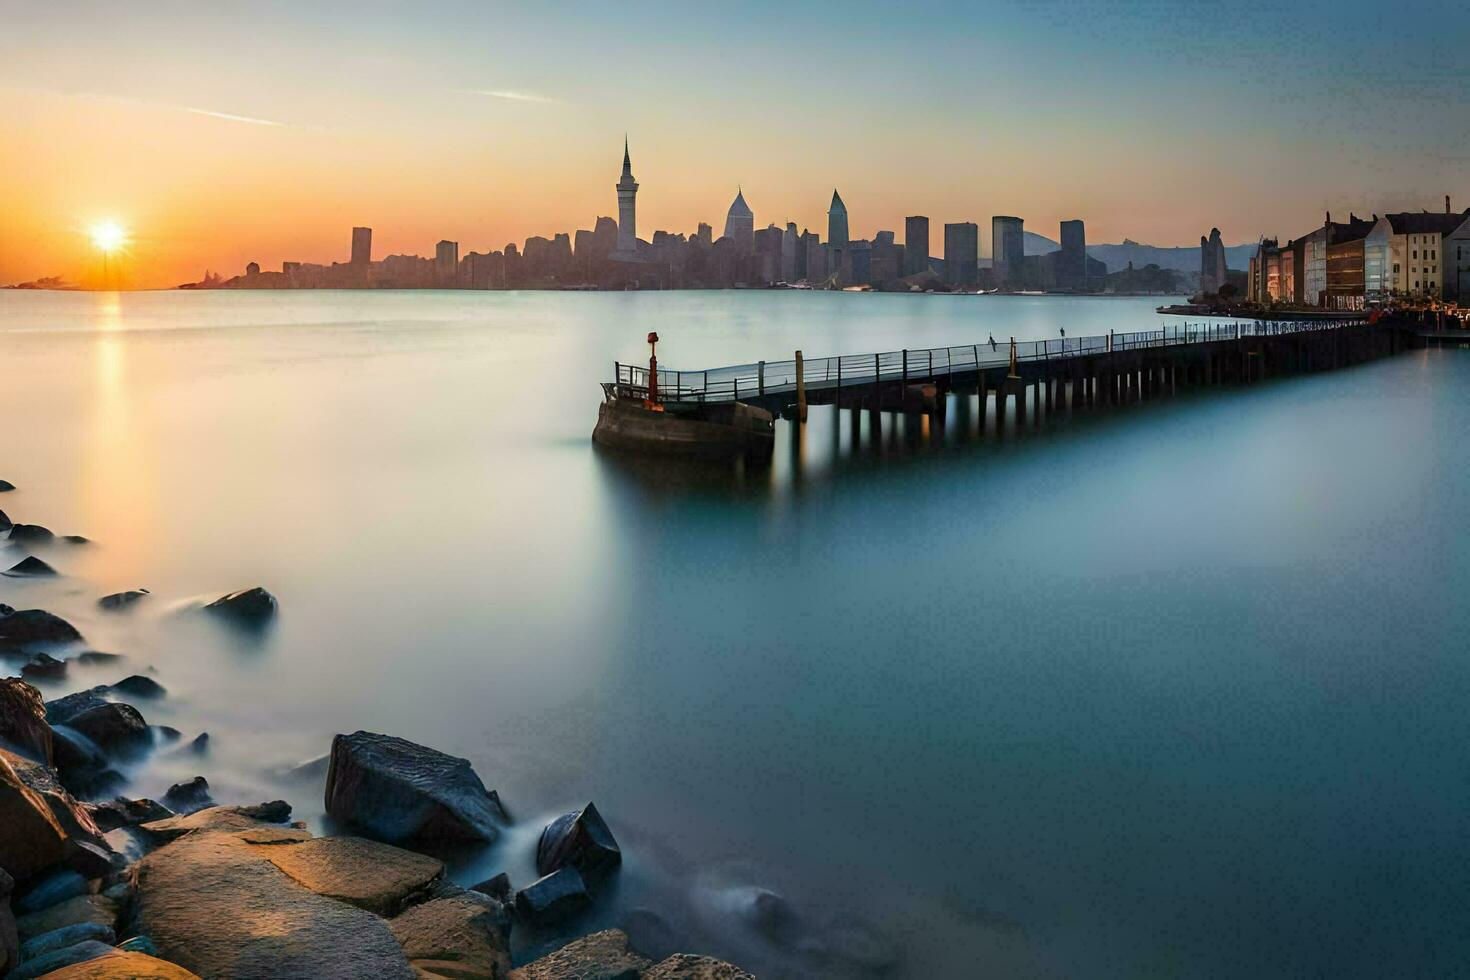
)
(1175, 689)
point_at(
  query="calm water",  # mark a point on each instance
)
(1176, 691)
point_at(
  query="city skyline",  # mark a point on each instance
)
(228, 140)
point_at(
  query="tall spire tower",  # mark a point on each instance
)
(627, 187)
(837, 222)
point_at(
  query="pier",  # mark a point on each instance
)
(1032, 379)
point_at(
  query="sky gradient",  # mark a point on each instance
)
(221, 135)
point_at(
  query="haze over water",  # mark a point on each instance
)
(1174, 690)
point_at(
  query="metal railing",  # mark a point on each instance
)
(746, 381)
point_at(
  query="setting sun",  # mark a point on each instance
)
(108, 236)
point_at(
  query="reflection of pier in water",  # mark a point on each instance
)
(901, 401)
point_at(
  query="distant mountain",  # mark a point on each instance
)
(1117, 257)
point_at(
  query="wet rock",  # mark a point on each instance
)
(394, 790)
(93, 658)
(23, 720)
(115, 727)
(464, 936)
(6, 610)
(138, 686)
(165, 733)
(119, 601)
(215, 904)
(200, 744)
(30, 534)
(43, 965)
(80, 762)
(9, 941)
(123, 812)
(28, 627)
(91, 860)
(190, 797)
(66, 936)
(30, 567)
(51, 890)
(650, 934)
(580, 840)
(683, 966)
(364, 873)
(123, 965)
(5, 522)
(6, 486)
(33, 839)
(252, 608)
(222, 818)
(75, 539)
(554, 898)
(310, 771)
(43, 667)
(600, 956)
(83, 908)
(139, 944)
(497, 888)
(60, 711)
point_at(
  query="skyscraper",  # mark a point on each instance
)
(1007, 248)
(627, 189)
(446, 261)
(915, 244)
(740, 224)
(961, 253)
(1072, 260)
(837, 222)
(362, 246)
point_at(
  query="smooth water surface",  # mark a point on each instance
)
(1174, 690)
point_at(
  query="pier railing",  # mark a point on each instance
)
(747, 381)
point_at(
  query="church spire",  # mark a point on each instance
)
(627, 162)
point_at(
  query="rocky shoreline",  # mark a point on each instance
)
(99, 885)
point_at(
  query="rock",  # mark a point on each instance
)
(767, 913)
(190, 797)
(76, 539)
(44, 667)
(252, 608)
(139, 944)
(60, 711)
(30, 567)
(9, 941)
(6, 486)
(601, 956)
(397, 791)
(580, 840)
(41, 966)
(51, 890)
(123, 812)
(497, 888)
(30, 534)
(200, 744)
(90, 859)
(66, 936)
(5, 522)
(215, 904)
(83, 908)
(372, 876)
(138, 686)
(116, 727)
(683, 966)
(27, 627)
(80, 763)
(650, 934)
(23, 720)
(6, 610)
(91, 658)
(119, 601)
(225, 818)
(122, 965)
(464, 936)
(558, 896)
(165, 733)
(33, 839)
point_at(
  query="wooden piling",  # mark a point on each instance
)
(800, 389)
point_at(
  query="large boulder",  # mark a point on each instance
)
(47, 963)
(464, 936)
(397, 791)
(43, 667)
(37, 817)
(30, 534)
(683, 966)
(30, 567)
(66, 936)
(251, 608)
(139, 686)
(115, 727)
(223, 818)
(372, 876)
(189, 797)
(84, 908)
(123, 812)
(35, 627)
(555, 898)
(119, 601)
(81, 763)
(216, 904)
(123, 965)
(23, 720)
(601, 956)
(51, 890)
(581, 840)
(6, 485)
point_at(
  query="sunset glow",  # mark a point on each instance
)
(108, 236)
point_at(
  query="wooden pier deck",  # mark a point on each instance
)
(1039, 375)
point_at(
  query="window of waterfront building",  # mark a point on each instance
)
(1395, 268)
(1416, 253)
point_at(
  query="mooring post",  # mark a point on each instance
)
(905, 367)
(800, 389)
(617, 377)
(760, 376)
(878, 384)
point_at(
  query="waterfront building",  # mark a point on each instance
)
(962, 253)
(1071, 262)
(1314, 265)
(362, 246)
(816, 258)
(1457, 263)
(1404, 255)
(740, 224)
(768, 254)
(916, 244)
(446, 262)
(837, 222)
(789, 241)
(705, 234)
(1007, 249)
(1345, 270)
(627, 188)
(1211, 263)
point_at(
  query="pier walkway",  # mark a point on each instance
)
(1040, 374)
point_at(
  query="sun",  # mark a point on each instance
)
(108, 236)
